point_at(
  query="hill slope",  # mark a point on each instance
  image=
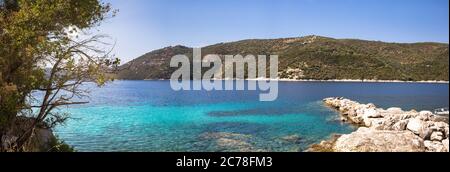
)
(315, 57)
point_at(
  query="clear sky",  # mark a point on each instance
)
(145, 25)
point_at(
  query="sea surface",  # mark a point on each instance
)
(149, 116)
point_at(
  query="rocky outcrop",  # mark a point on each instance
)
(369, 140)
(389, 130)
(435, 146)
(325, 145)
(445, 142)
(41, 140)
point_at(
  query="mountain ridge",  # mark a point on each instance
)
(315, 57)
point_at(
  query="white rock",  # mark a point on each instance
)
(378, 124)
(445, 143)
(390, 121)
(425, 115)
(415, 125)
(425, 112)
(390, 130)
(352, 112)
(368, 140)
(436, 126)
(371, 113)
(436, 136)
(442, 127)
(400, 125)
(368, 122)
(408, 115)
(357, 119)
(434, 146)
(394, 110)
(419, 127)
(371, 105)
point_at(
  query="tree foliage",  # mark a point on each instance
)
(40, 52)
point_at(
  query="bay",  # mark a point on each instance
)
(149, 116)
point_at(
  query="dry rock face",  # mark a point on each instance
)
(445, 142)
(40, 141)
(369, 140)
(390, 130)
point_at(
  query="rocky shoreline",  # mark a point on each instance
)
(386, 130)
(43, 139)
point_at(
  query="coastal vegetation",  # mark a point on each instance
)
(43, 50)
(317, 58)
(47, 53)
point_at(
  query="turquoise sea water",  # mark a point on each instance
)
(150, 116)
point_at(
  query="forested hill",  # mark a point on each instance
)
(315, 57)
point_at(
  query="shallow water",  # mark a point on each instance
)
(150, 116)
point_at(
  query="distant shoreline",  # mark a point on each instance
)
(369, 81)
(314, 80)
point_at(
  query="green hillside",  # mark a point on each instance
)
(315, 57)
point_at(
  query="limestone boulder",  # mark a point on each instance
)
(390, 130)
(437, 136)
(425, 115)
(394, 110)
(409, 115)
(434, 146)
(445, 143)
(357, 119)
(371, 113)
(420, 128)
(369, 140)
(371, 105)
(400, 125)
(442, 127)
(378, 124)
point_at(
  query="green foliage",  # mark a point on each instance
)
(38, 52)
(58, 145)
(318, 57)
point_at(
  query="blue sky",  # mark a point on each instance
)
(145, 25)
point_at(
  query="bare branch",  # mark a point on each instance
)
(61, 104)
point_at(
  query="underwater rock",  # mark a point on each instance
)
(291, 138)
(232, 142)
(240, 145)
(218, 135)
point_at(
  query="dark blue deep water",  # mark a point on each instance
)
(150, 116)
